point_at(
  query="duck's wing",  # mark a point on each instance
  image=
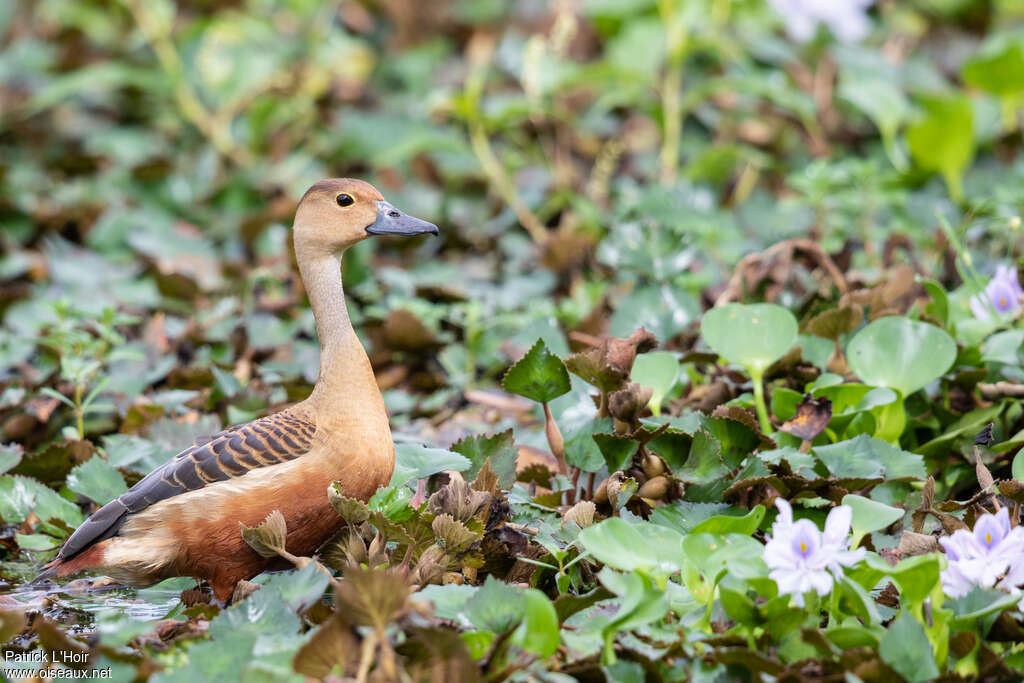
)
(270, 440)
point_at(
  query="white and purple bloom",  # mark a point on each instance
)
(802, 558)
(847, 19)
(1003, 293)
(990, 555)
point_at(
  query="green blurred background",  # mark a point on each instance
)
(594, 165)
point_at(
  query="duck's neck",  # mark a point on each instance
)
(346, 386)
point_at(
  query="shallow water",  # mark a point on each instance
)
(76, 604)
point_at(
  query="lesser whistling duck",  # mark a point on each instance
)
(183, 518)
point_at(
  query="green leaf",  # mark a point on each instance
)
(1018, 466)
(704, 463)
(854, 599)
(414, 461)
(448, 600)
(20, 496)
(10, 456)
(498, 448)
(942, 139)
(659, 371)
(865, 457)
(752, 335)
(998, 67)
(617, 450)
(1003, 347)
(97, 480)
(711, 553)
(582, 451)
(683, 516)
(916, 577)
(539, 375)
(538, 632)
(724, 524)
(906, 648)
(869, 515)
(496, 606)
(640, 602)
(900, 353)
(978, 604)
(738, 606)
(630, 547)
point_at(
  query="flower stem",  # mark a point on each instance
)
(762, 410)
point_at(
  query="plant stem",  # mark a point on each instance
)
(159, 38)
(480, 51)
(762, 409)
(671, 90)
(555, 441)
(80, 410)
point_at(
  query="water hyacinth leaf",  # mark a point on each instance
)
(641, 602)
(659, 371)
(498, 449)
(906, 648)
(916, 577)
(1003, 347)
(942, 139)
(711, 553)
(538, 631)
(414, 461)
(630, 547)
(869, 515)
(1018, 466)
(738, 606)
(900, 353)
(723, 524)
(752, 335)
(998, 67)
(539, 375)
(856, 600)
(980, 603)
(849, 637)
(97, 480)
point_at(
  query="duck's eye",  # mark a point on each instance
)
(345, 200)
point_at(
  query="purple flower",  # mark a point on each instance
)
(1003, 293)
(802, 558)
(991, 555)
(847, 19)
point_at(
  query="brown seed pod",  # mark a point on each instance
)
(601, 494)
(653, 466)
(655, 488)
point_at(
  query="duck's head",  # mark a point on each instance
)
(336, 213)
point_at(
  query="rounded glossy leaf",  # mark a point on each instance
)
(538, 631)
(869, 515)
(632, 547)
(753, 335)
(900, 353)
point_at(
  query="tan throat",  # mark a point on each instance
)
(346, 391)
